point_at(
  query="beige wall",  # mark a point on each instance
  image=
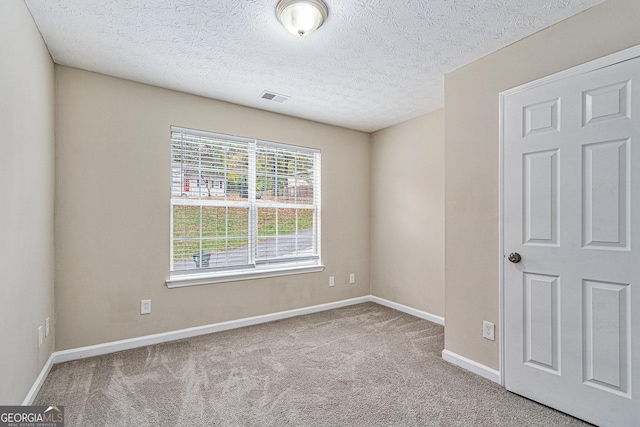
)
(26, 209)
(407, 213)
(471, 158)
(112, 211)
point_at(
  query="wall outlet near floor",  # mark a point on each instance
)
(145, 306)
(332, 281)
(488, 329)
(352, 278)
(46, 327)
(39, 335)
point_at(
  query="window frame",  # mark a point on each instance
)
(256, 268)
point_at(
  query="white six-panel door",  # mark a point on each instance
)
(571, 203)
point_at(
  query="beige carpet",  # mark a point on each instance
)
(364, 365)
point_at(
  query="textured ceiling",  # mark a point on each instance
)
(374, 63)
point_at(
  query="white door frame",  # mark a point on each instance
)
(623, 55)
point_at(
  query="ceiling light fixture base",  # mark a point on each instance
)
(302, 17)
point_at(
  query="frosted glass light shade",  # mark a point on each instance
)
(301, 17)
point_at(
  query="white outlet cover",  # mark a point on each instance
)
(145, 306)
(352, 278)
(332, 281)
(488, 330)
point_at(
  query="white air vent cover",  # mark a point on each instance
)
(271, 96)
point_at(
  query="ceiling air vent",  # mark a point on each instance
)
(271, 96)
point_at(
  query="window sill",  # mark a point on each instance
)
(233, 276)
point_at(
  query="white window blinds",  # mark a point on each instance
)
(238, 203)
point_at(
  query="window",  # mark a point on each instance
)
(241, 208)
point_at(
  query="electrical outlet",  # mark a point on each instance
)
(488, 329)
(352, 278)
(39, 335)
(145, 306)
(332, 281)
(46, 327)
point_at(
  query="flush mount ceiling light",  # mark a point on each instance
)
(301, 17)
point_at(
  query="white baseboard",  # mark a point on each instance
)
(409, 310)
(472, 366)
(115, 346)
(35, 388)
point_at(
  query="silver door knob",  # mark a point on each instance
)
(514, 257)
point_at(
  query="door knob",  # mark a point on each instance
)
(514, 257)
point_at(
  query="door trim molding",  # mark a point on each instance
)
(605, 61)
